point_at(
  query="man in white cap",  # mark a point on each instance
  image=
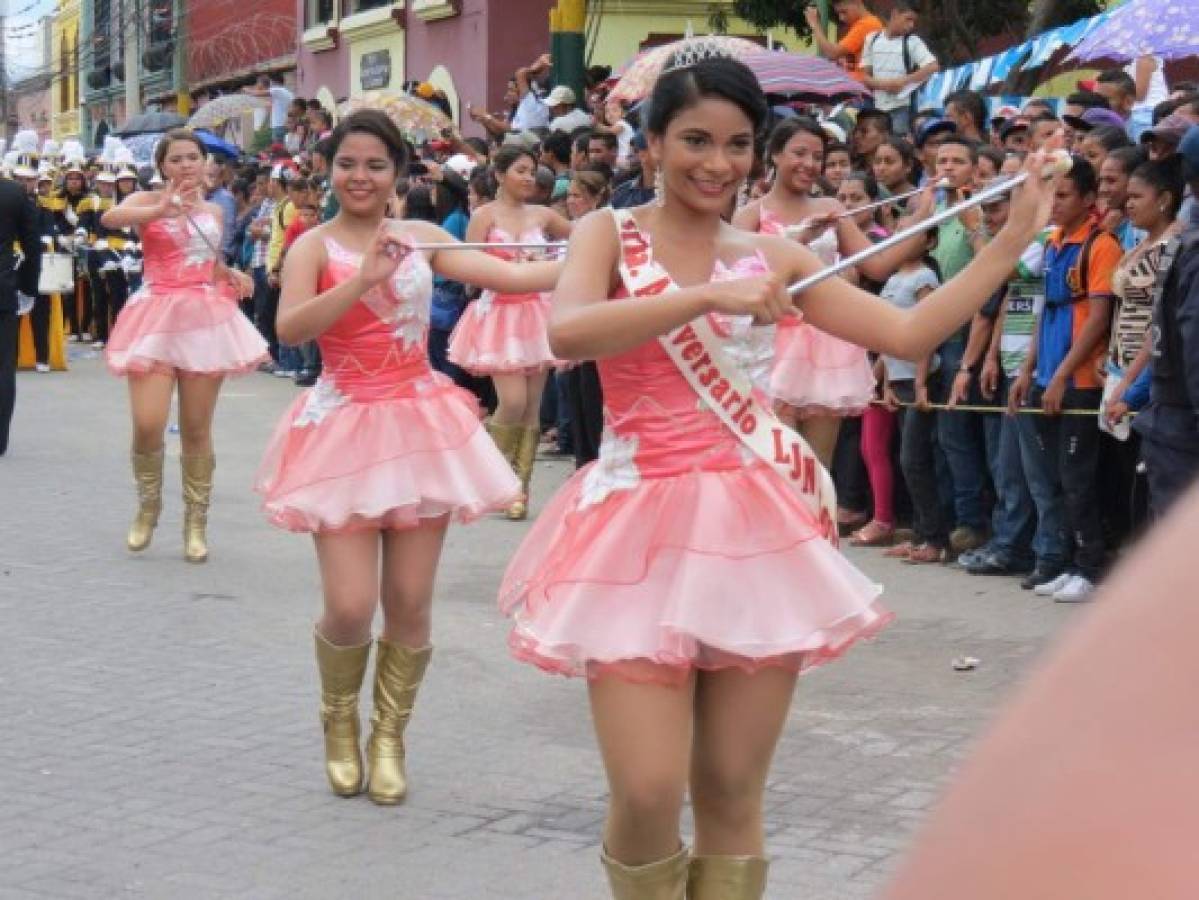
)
(566, 117)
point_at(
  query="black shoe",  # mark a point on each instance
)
(996, 564)
(1039, 576)
(305, 379)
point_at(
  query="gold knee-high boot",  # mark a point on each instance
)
(526, 456)
(727, 878)
(507, 439)
(398, 674)
(342, 670)
(197, 492)
(665, 879)
(147, 475)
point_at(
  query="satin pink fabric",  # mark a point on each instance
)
(382, 441)
(678, 549)
(182, 319)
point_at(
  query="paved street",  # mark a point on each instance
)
(160, 719)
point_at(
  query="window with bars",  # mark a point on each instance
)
(318, 12)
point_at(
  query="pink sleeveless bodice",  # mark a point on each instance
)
(378, 349)
(177, 252)
(651, 411)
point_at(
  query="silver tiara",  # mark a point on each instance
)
(694, 51)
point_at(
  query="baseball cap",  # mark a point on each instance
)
(1188, 149)
(1011, 126)
(1003, 114)
(461, 163)
(1097, 117)
(833, 130)
(936, 126)
(526, 139)
(559, 95)
(1170, 129)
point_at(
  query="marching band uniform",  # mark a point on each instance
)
(381, 442)
(106, 276)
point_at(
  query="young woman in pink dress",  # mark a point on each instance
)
(182, 331)
(818, 378)
(683, 573)
(502, 334)
(377, 458)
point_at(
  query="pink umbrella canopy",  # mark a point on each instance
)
(789, 74)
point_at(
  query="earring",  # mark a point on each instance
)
(659, 189)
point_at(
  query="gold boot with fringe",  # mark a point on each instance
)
(342, 670)
(727, 878)
(147, 475)
(398, 674)
(665, 879)
(526, 456)
(197, 493)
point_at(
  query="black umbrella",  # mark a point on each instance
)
(148, 123)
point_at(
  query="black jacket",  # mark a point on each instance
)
(18, 225)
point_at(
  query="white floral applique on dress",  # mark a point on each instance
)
(614, 470)
(322, 399)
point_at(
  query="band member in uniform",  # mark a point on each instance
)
(18, 231)
(183, 331)
(689, 573)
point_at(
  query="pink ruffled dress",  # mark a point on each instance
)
(504, 334)
(182, 319)
(814, 371)
(382, 441)
(678, 549)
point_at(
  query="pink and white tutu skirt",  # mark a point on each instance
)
(652, 578)
(819, 374)
(196, 329)
(503, 334)
(390, 460)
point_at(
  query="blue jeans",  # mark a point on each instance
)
(289, 358)
(1014, 518)
(960, 435)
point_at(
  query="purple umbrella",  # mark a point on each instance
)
(1165, 28)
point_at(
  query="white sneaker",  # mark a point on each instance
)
(284, 373)
(1049, 588)
(97, 345)
(1078, 590)
(41, 367)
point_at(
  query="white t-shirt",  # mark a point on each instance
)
(624, 142)
(1159, 91)
(883, 56)
(902, 291)
(281, 98)
(576, 118)
(530, 113)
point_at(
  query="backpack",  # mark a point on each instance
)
(908, 66)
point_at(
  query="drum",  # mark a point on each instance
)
(58, 274)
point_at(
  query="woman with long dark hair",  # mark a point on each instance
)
(687, 573)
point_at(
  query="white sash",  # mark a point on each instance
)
(698, 352)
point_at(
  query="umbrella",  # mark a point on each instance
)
(802, 77)
(217, 146)
(216, 113)
(1165, 28)
(142, 146)
(147, 123)
(638, 77)
(418, 120)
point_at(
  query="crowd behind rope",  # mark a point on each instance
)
(1048, 495)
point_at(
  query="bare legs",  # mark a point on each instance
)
(821, 434)
(716, 733)
(361, 570)
(518, 399)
